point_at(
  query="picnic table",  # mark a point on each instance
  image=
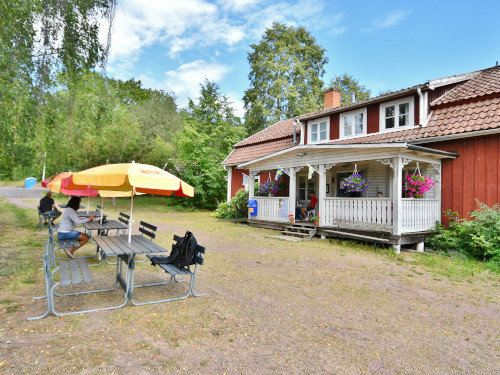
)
(64, 206)
(90, 213)
(126, 252)
(103, 228)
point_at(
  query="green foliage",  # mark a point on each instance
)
(285, 76)
(348, 85)
(234, 209)
(40, 39)
(210, 129)
(478, 238)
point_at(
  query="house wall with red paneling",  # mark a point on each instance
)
(416, 107)
(237, 180)
(372, 118)
(334, 126)
(475, 174)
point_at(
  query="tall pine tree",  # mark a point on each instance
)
(285, 76)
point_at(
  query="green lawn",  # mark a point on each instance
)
(271, 307)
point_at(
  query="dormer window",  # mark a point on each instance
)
(353, 123)
(319, 130)
(397, 114)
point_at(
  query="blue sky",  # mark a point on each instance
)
(386, 45)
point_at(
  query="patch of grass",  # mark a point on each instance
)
(18, 183)
(5, 301)
(12, 308)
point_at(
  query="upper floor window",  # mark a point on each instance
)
(353, 123)
(319, 130)
(396, 114)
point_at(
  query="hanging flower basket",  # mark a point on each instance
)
(355, 183)
(268, 187)
(416, 185)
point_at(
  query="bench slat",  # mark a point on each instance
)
(147, 232)
(76, 277)
(85, 270)
(64, 274)
(150, 226)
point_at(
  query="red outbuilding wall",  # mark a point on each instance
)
(475, 174)
(237, 180)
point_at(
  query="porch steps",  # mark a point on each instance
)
(302, 230)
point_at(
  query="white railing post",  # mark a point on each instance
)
(229, 181)
(437, 193)
(397, 186)
(251, 184)
(292, 192)
(322, 195)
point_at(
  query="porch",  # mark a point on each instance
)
(404, 219)
(417, 215)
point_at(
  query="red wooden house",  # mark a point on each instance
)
(448, 128)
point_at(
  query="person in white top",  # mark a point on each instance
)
(69, 220)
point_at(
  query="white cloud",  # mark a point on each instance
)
(238, 5)
(392, 19)
(185, 81)
(237, 104)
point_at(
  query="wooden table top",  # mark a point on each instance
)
(109, 224)
(118, 245)
(84, 213)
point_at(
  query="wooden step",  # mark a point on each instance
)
(295, 233)
(300, 228)
(304, 224)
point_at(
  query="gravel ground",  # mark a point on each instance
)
(271, 307)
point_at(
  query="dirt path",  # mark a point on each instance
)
(271, 307)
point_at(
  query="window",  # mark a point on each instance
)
(353, 124)
(319, 130)
(305, 186)
(397, 114)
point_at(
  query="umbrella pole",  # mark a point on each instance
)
(88, 203)
(102, 207)
(130, 220)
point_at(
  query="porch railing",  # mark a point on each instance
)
(364, 210)
(272, 209)
(419, 214)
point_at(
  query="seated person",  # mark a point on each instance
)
(47, 206)
(69, 220)
(311, 206)
(380, 195)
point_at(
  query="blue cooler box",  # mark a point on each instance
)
(29, 182)
(252, 207)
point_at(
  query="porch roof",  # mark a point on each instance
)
(401, 146)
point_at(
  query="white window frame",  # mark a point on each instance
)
(318, 121)
(353, 114)
(411, 115)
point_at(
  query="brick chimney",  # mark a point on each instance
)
(332, 98)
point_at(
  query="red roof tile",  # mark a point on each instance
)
(484, 84)
(463, 118)
(254, 151)
(279, 130)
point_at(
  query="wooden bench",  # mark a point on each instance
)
(148, 230)
(67, 244)
(174, 271)
(74, 272)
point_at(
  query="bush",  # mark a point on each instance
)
(477, 238)
(236, 208)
